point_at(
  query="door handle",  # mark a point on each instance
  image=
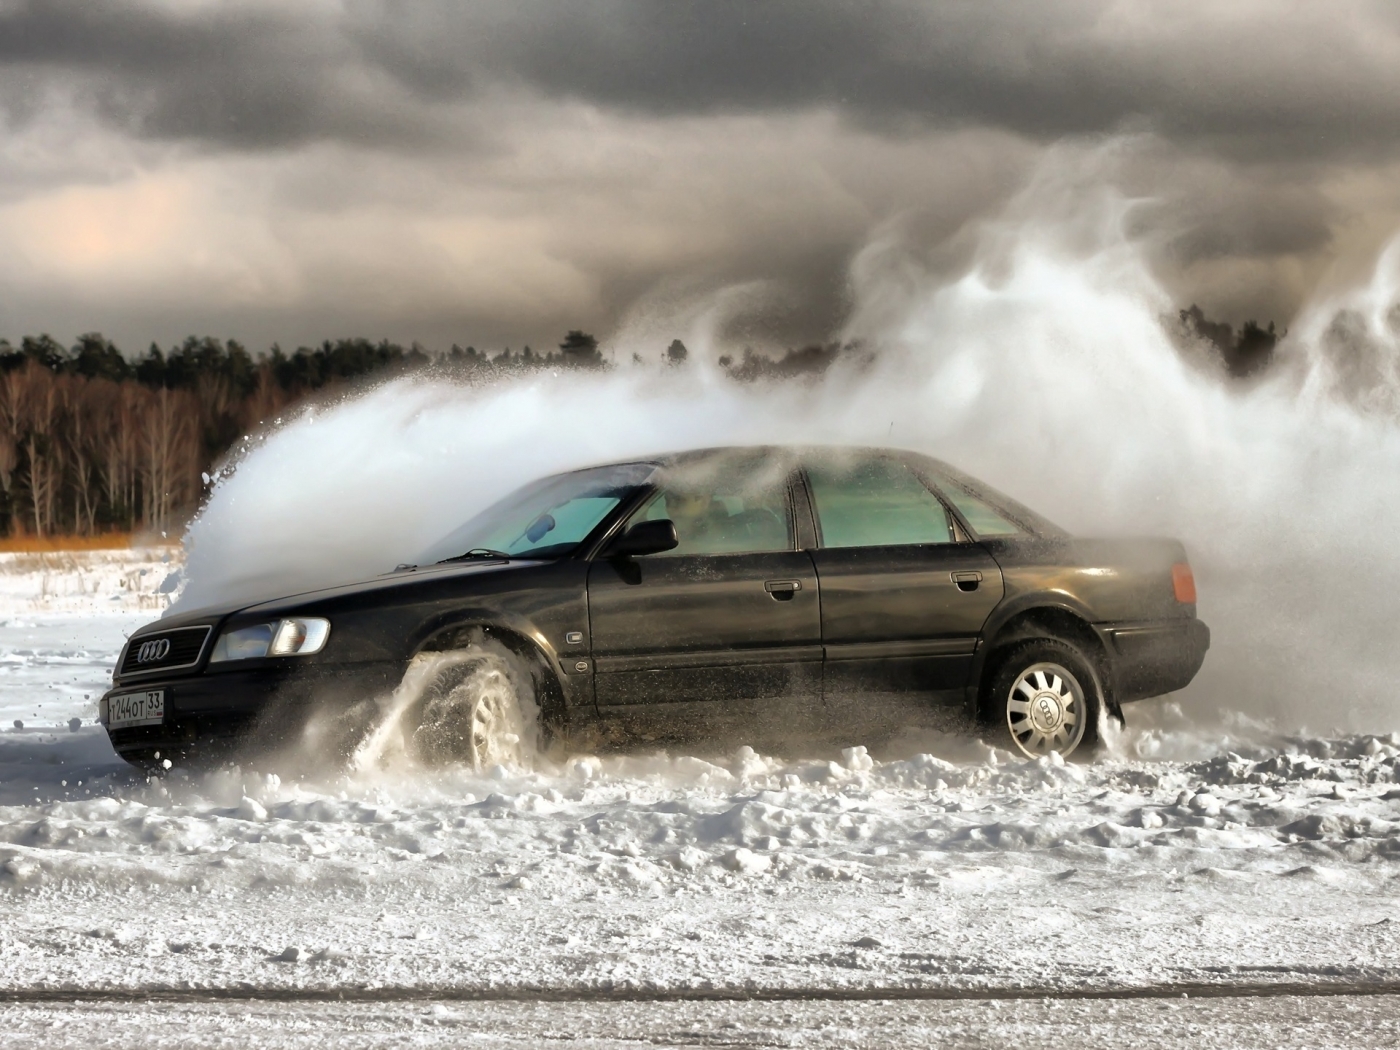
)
(782, 590)
(967, 581)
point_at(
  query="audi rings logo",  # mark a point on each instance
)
(152, 651)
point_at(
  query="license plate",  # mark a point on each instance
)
(136, 709)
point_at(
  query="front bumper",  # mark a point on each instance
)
(207, 715)
(1152, 657)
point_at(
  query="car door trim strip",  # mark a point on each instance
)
(896, 650)
(790, 654)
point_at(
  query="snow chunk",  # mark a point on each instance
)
(251, 809)
(746, 861)
(857, 759)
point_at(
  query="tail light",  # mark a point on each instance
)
(1183, 583)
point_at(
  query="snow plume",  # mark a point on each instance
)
(1045, 365)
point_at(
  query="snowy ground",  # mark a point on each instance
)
(63, 619)
(1189, 859)
(1200, 1024)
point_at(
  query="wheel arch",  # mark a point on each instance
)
(1048, 620)
(521, 640)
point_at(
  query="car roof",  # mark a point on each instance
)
(795, 453)
(798, 454)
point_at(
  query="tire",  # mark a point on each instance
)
(479, 709)
(1045, 696)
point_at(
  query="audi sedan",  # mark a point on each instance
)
(772, 595)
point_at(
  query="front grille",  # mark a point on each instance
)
(165, 651)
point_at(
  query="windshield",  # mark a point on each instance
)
(545, 519)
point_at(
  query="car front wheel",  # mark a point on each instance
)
(479, 709)
(1045, 696)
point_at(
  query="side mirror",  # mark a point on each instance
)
(645, 537)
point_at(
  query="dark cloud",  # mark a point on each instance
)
(497, 170)
(1247, 76)
(242, 77)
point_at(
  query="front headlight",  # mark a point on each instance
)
(294, 637)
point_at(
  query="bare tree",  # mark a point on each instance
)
(86, 419)
(169, 454)
(265, 402)
(41, 405)
(121, 454)
(11, 429)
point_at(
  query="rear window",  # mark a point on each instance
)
(989, 512)
(984, 519)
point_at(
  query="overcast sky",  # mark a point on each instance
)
(496, 172)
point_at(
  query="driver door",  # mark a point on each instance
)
(725, 626)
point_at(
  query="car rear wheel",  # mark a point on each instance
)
(479, 709)
(1045, 696)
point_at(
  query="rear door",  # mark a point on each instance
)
(730, 618)
(904, 595)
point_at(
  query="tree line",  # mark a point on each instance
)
(1244, 353)
(93, 440)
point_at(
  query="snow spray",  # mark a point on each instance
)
(1046, 367)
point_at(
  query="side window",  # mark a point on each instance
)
(981, 515)
(730, 511)
(876, 503)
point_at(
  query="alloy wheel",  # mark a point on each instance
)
(1045, 710)
(496, 725)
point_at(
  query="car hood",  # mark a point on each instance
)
(277, 606)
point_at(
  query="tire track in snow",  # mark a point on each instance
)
(417, 993)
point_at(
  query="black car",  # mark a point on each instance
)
(779, 593)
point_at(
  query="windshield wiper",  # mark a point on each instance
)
(477, 552)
